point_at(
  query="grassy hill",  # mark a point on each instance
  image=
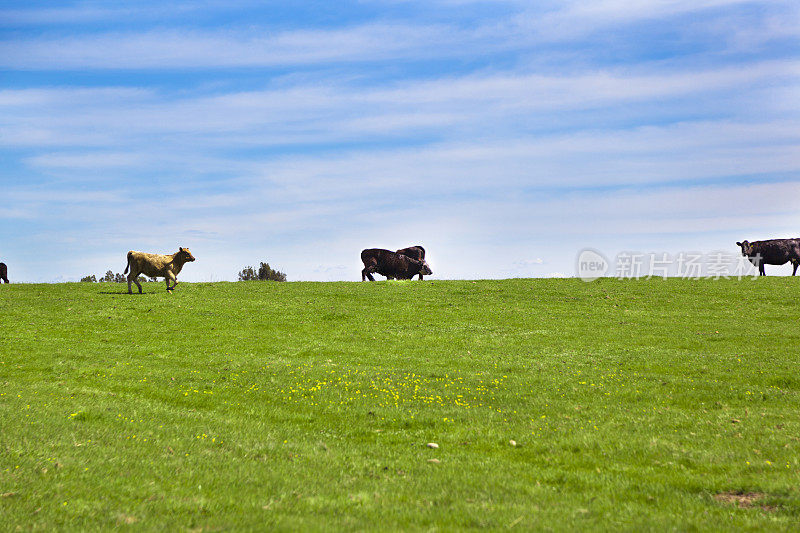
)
(640, 405)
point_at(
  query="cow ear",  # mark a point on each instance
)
(180, 248)
(738, 244)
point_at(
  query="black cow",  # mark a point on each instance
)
(414, 252)
(392, 265)
(772, 252)
(4, 272)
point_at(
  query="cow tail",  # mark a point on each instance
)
(129, 263)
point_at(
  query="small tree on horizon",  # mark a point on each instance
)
(248, 274)
(89, 279)
(110, 277)
(264, 273)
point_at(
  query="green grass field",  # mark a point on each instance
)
(308, 406)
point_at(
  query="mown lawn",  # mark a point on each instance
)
(308, 406)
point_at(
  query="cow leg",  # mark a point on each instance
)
(420, 277)
(761, 270)
(170, 277)
(367, 272)
(135, 279)
(795, 264)
(369, 269)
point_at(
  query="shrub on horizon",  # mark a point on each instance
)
(264, 273)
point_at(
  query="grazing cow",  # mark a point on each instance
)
(772, 252)
(392, 265)
(156, 265)
(414, 252)
(4, 272)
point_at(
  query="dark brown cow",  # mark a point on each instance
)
(156, 265)
(414, 252)
(4, 272)
(392, 265)
(772, 252)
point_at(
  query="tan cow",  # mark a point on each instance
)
(156, 265)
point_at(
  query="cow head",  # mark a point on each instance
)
(424, 269)
(185, 254)
(747, 248)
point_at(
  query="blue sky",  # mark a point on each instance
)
(503, 135)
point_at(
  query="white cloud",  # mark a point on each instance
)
(576, 19)
(88, 160)
(487, 106)
(92, 12)
(191, 49)
(617, 10)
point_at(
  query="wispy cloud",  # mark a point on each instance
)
(523, 25)
(80, 13)
(575, 19)
(455, 107)
(87, 160)
(190, 49)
